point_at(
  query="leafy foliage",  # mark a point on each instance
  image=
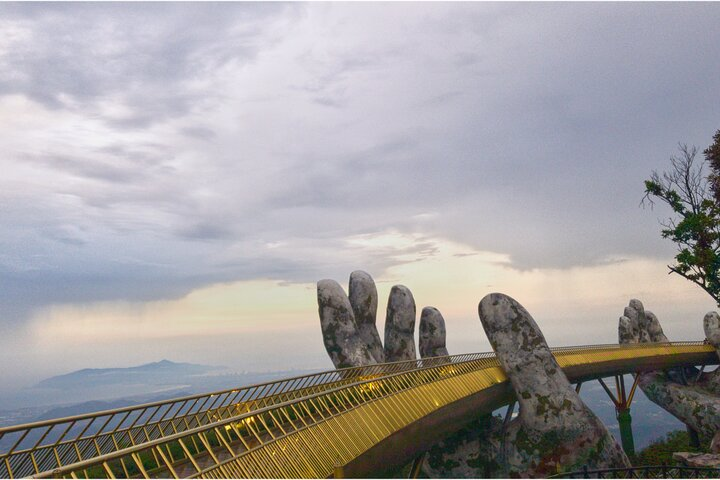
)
(695, 199)
(660, 451)
(712, 155)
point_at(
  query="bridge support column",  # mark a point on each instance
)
(626, 434)
(622, 411)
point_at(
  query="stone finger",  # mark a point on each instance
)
(340, 333)
(363, 297)
(654, 328)
(626, 335)
(432, 333)
(525, 356)
(554, 427)
(636, 313)
(400, 325)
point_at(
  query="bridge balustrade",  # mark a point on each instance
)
(40, 446)
(300, 427)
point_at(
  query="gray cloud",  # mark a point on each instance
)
(207, 231)
(144, 55)
(91, 168)
(202, 133)
(175, 145)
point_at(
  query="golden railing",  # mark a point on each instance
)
(296, 433)
(40, 446)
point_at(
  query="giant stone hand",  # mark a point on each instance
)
(349, 331)
(692, 397)
(554, 431)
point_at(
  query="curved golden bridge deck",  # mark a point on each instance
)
(367, 419)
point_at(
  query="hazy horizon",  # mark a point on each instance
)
(177, 176)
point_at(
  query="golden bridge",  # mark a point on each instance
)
(364, 421)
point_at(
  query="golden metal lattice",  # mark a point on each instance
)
(299, 427)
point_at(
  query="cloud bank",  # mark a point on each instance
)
(152, 150)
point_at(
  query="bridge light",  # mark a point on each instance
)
(445, 371)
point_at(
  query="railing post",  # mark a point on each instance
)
(338, 469)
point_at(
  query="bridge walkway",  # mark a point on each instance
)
(32, 448)
(374, 418)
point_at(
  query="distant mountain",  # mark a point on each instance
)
(99, 405)
(163, 372)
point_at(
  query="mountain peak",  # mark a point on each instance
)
(164, 372)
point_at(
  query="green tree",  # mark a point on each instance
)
(695, 199)
(712, 155)
(660, 451)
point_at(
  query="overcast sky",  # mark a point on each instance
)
(176, 177)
